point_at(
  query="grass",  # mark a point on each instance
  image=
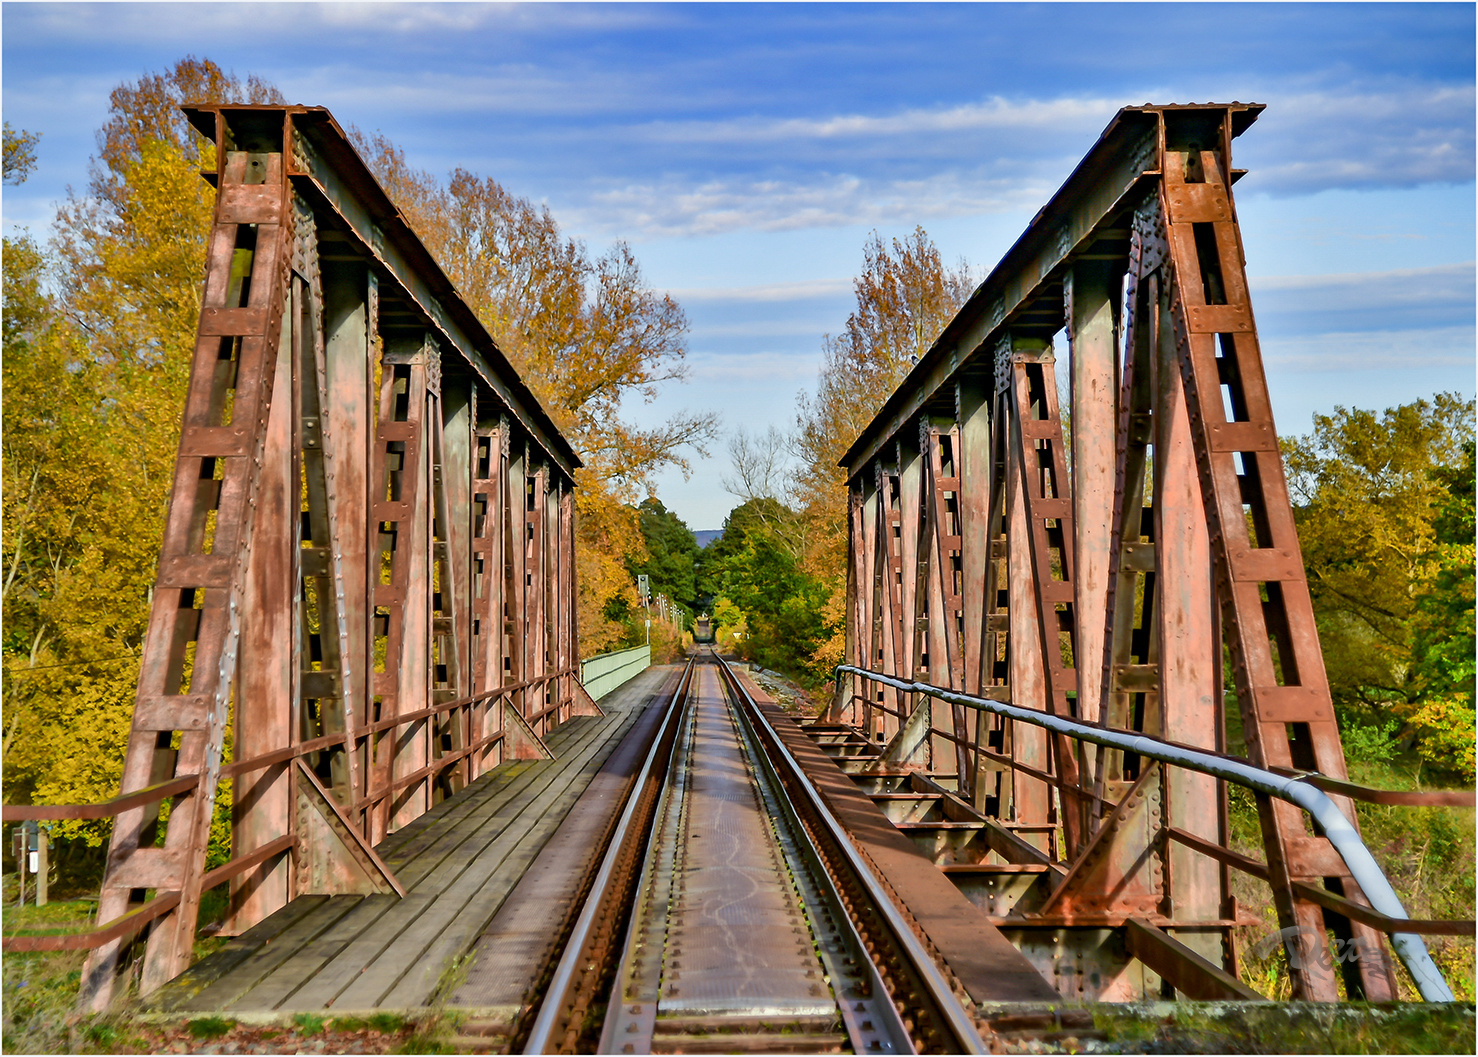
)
(1427, 853)
(1214, 1027)
(389, 1023)
(308, 1023)
(40, 987)
(209, 1027)
(431, 1035)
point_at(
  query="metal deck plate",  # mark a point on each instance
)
(737, 939)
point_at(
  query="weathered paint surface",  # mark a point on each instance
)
(368, 560)
(1103, 586)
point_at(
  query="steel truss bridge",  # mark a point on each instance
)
(364, 618)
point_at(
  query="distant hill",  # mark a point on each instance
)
(707, 536)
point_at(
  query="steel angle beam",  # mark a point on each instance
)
(323, 154)
(1114, 174)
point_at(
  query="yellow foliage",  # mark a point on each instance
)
(905, 296)
(585, 334)
(730, 631)
(1445, 724)
(605, 531)
(669, 644)
(94, 382)
(832, 650)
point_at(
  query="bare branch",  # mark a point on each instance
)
(763, 465)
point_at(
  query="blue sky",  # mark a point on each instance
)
(745, 151)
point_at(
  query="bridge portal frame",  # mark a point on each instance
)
(1103, 582)
(367, 580)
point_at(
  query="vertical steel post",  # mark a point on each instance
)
(862, 627)
(910, 503)
(1090, 293)
(1032, 798)
(1190, 652)
(191, 650)
(348, 417)
(1274, 643)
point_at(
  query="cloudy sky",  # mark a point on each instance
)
(746, 152)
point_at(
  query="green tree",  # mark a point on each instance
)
(1368, 489)
(1443, 641)
(672, 553)
(752, 569)
(729, 628)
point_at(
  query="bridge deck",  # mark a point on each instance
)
(458, 864)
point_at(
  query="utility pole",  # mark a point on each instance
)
(29, 845)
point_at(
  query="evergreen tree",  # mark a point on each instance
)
(672, 555)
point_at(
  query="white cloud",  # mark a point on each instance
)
(1442, 283)
(1398, 134)
(760, 328)
(1375, 301)
(675, 207)
(1372, 350)
(141, 22)
(996, 112)
(752, 367)
(514, 90)
(769, 292)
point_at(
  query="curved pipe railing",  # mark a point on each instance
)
(1346, 840)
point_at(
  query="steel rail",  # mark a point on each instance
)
(1336, 827)
(959, 1021)
(875, 1023)
(558, 989)
(651, 897)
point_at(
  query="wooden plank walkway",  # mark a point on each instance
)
(458, 863)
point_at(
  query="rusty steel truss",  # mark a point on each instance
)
(365, 594)
(1100, 565)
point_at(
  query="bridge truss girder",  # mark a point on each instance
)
(1105, 583)
(367, 580)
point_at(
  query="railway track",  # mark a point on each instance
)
(731, 913)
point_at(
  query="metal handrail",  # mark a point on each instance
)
(185, 782)
(135, 919)
(129, 923)
(1336, 827)
(1337, 786)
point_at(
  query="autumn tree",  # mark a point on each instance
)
(20, 153)
(905, 296)
(1378, 500)
(587, 334)
(95, 374)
